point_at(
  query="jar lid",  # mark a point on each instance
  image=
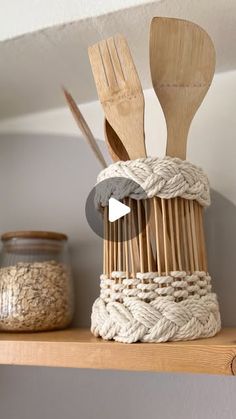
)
(48, 235)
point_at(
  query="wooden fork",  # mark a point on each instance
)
(120, 92)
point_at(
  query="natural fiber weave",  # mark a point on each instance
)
(166, 178)
(152, 308)
(175, 307)
(148, 286)
(158, 321)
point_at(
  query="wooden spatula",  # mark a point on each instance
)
(120, 92)
(182, 62)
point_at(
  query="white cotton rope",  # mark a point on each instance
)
(152, 308)
(174, 307)
(167, 177)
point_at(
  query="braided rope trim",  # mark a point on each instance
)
(160, 320)
(166, 178)
(149, 286)
(151, 308)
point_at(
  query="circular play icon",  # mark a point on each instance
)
(117, 209)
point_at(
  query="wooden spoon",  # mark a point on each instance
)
(114, 144)
(182, 62)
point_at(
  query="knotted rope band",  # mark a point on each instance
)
(166, 178)
(152, 308)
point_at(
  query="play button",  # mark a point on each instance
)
(116, 210)
(111, 196)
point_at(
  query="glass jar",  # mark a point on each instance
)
(36, 290)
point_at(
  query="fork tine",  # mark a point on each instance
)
(98, 70)
(126, 61)
(108, 65)
(116, 62)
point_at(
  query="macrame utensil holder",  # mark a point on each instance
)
(155, 285)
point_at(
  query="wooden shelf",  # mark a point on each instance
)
(80, 349)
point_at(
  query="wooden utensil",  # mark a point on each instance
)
(182, 62)
(118, 152)
(120, 92)
(114, 144)
(83, 126)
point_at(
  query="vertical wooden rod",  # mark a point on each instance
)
(194, 236)
(140, 236)
(205, 264)
(149, 250)
(131, 243)
(172, 240)
(155, 203)
(163, 207)
(198, 235)
(110, 226)
(177, 232)
(105, 241)
(184, 236)
(119, 251)
(115, 245)
(125, 221)
(189, 235)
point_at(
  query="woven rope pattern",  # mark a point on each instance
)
(167, 178)
(152, 308)
(149, 286)
(159, 320)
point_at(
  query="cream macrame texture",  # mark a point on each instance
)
(173, 307)
(148, 286)
(152, 308)
(166, 177)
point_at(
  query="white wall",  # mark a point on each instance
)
(46, 172)
(36, 15)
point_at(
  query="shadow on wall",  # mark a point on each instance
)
(220, 227)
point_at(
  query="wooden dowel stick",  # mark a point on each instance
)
(125, 221)
(131, 241)
(163, 207)
(140, 236)
(115, 245)
(152, 229)
(189, 235)
(172, 240)
(198, 234)
(135, 240)
(161, 236)
(119, 250)
(155, 203)
(194, 236)
(205, 264)
(177, 233)
(149, 250)
(110, 248)
(184, 236)
(105, 232)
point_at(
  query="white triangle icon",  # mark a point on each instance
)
(116, 210)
